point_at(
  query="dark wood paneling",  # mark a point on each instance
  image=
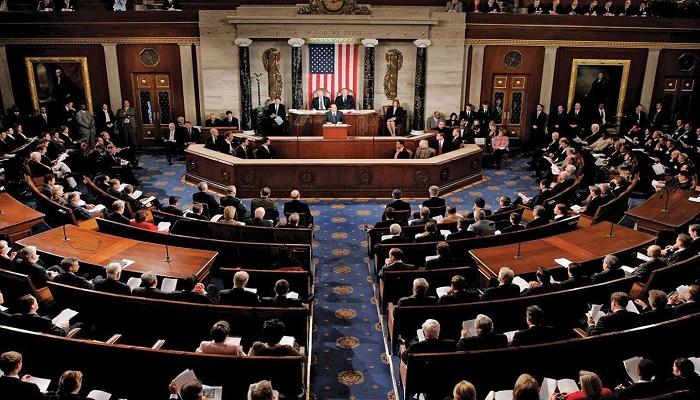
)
(130, 64)
(531, 67)
(562, 72)
(20, 80)
(668, 67)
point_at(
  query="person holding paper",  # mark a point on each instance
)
(684, 376)
(69, 386)
(12, 385)
(30, 319)
(505, 289)
(394, 236)
(611, 270)
(618, 320)
(443, 259)
(281, 298)
(656, 310)
(645, 386)
(591, 388)
(430, 330)
(139, 221)
(111, 283)
(71, 277)
(645, 269)
(537, 331)
(419, 296)
(429, 234)
(480, 336)
(189, 391)
(458, 292)
(149, 287)
(277, 114)
(239, 295)
(686, 303)
(221, 342)
(192, 291)
(273, 331)
(543, 284)
(577, 277)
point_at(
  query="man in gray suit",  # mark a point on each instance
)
(126, 119)
(86, 125)
(482, 226)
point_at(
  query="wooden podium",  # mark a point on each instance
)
(335, 131)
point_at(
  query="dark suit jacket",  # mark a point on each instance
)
(617, 321)
(651, 316)
(13, 388)
(403, 154)
(226, 147)
(233, 123)
(397, 266)
(116, 217)
(279, 301)
(69, 278)
(190, 297)
(540, 221)
(434, 202)
(539, 198)
(36, 272)
(513, 228)
(211, 143)
(316, 104)
(463, 234)
(460, 296)
(641, 390)
(574, 283)
(428, 346)
(100, 120)
(241, 152)
(263, 153)
(501, 292)
(281, 111)
(540, 121)
(558, 122)
(348, 104)
(609, 275)
(534, 335)
(679, 256)
(440, 262)
(111, 286)
(271, 211)
(399, 205)
(261, 222)
(330, 118)
(172, 210)
(208, 199)
(296, 206)
(238, 297)
(241, 211)
(37, 323)
(150, 292)
(490, 341)
(687, 308)
(390, 113)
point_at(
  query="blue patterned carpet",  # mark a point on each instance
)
(349, 359)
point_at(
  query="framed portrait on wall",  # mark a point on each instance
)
(599, 81)
(55, 80)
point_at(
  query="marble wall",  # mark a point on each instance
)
(256, 67)
(218, 64)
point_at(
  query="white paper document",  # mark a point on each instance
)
(555, 170)
(185, 377)
(567, 385)
(563, 262)
(628, 270)
(524, 197)
(64, 317)
(293, 295)
(99, 208)
(163, 226)
(631, 365)
(595, 312)
(522, 283)
(125, 262)
(278, 120)
(147, 200)
(643, 257)
(696, 363)
(547, 387)
(510, 335)
(631, 307)
(500, 395)
(288, 340)
(442, 290)
(136, 194)
(445, 232)
(420, 335)
(216, 218)
(3, 308)
(385, 237)
(428, 258)
(480, 141)
(694, 199)
(438, 218)
(133, 282)
(658, 169)
(470, 326)
(168, 285)
(251, 290)
(235, 340)
(99, 395)
(576, 208)
(43, 383)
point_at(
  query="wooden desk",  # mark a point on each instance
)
(16, 219)
(581, 245)
(310, 123)
(650, 218)
(100, 249)
(335, 131)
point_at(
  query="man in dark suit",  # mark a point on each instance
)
(432, 342)
(680, 250)
(694, 233)
(113, 165)
(505, 289)
(619, 319)
(420, 295)
(593, 201)
(212, 121)
(28, 263)
(203, 197)
(394, 236)
(440, 145)
(149, 287)
(259, 219)
(265, 202)
(105, 120)
(424, 217)
(242, 151)
(320, 101)
(515, 223)
(538, 124)
(485, 114)
(41, 122)
(281, 299)
(227, 144)
(230, 121)
(645, 387)
(686, 303)
(333, 116)
(540, 198)
(611, 270)
(400, 153)
(468, 114)
(536, 332)
(173, 206)
(117, 213)
(394, 263)
(71, 277)
(443, 260)
(657, 310)
(576, 121)
(238, 295)
(192, 291)
(398, 205)
(30, 319)
(660, 118)
(297, 206)
(544, 283)
(265, 150)
(577, 277)
(188, 134)
(459, 293)
(463, 231)
(196, 212)
(638, 117)
(601, 117)
(480, 336)
(435, 202)
(274, 110)
(557, 121)
(345, 101)
(231, 200)
(12, 385)
(213, 141)
(111, 283)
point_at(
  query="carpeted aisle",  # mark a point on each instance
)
(349, 360)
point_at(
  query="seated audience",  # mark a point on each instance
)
(229, 216)
(197, 212)
(504, 205)
(395, 233)
(259, 219)
(515, 223)
(657, 310)
(443, 260)
(292, 222)
(111, 283)
(505, 289)
(188, 391)
(424, 217)
(463, 390)
(71, 277)
(262, 391)
(80, 210)
(139, 221)
(536, 332)
(394, 263)
(419, 296)
(192, 291)
(540, 214)
(430, 233)
(272, 333)
(432, 342)
(221, 342)
(149, 287)
(202, 196)
(266, 203)
(646, 386)
(482, 226)
(560, 211)
(435, 201)
(526, 388)
(451, 216)
(173, 206)
(679, 251)
(577, 277)
(398, 206)
(231, 200)
(117, 214)
(686, 303)
(295, 205)
(463, 231)
(281, 299)
(617, 320)
(238, 295)
(69, 385)
(459, 293)
(482, 338)
(591, 388)
(543, 284)
(611, 270)
(684, 376)
(29, 318)
(12, 384)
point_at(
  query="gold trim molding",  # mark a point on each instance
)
(102, 40)
(577, 62)
(581, 43)
(29, 65)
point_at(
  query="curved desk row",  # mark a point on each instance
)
(337, 177)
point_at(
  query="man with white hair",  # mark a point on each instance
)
(29, 264)
(149, 287)
(231, 200)
(39, 165)
(434, 202)
(299, 207)
(505, 289)
(259, 219)
(432, 343)
(111, 284)
(481, 336)
(395, 233)
(482, 226)
(424, 217)
(204, 197)
(239, 295)
(7, 256)
(420, 295)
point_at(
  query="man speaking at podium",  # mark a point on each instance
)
(333, 116)
(345, 101)
(320, 102)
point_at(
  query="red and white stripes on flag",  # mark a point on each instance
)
(332, 67)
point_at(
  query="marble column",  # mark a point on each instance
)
(8, 97)
(244, 67)
(113, 81)
(649, 78)
(550, 61)
(419, 94)
(188, 92)
(200, 112)
(477, 69)
(297, 85)
(368, 86)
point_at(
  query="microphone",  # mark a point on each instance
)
(65, 235)
(610, 234)
(518, 256)
(167, 239)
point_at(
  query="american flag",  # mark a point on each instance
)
(333, 67)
